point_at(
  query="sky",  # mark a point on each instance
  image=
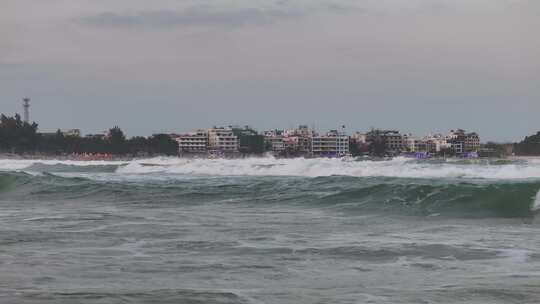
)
(419, 66)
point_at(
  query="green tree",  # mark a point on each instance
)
(117, 141)
(249, 140)
(17, 136)
(529, 146)
(163, 144)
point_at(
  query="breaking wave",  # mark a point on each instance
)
(371, 195)
(30, 165)
(397, 167)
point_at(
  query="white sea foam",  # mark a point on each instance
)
(536, 204)
(397, 167)
(515, 255)
(21, 164)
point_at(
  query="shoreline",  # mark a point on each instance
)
(74, 157)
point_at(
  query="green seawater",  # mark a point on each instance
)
(200, 232)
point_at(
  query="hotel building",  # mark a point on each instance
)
(333, 144)
(222, 140)
(195, 142)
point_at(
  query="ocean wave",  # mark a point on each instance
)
(53, 165)
(61, 167)
(397, 167)
(348, 195)
(461, 199)
(136, 296)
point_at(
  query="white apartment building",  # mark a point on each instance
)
(410, 143)
(291, 143)
(72, 133)
(439, 142)
(430, 143)
(223, 140)
(276, 143)
(274, 139)
(463, 142)
(301, 131)
(458, 147)
(333, 144)
(195, 142)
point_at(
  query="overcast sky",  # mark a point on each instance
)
(164, 65)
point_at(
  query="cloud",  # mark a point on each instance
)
(194, 16)
(418, 57)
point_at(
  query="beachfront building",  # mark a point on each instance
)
(472, 142)
(385, 142)
(359, 138)
(72, 133)
(301, 131)
(394, 141)
(296, 145)
(457, 147)
(358, 144)
(391, 142)
(298, 141)
(429, 144)
(410, 143)
(194, 142)
(66, 133)
(274, 141)
(332, 144)
(101, 136)
(291, 142)
(438, 142)
(425, 145)
(463, 142)
(415, 145)
(222, 140)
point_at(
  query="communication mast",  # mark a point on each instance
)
(26, 106)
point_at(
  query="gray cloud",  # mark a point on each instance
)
(194, 16)
(417, 65)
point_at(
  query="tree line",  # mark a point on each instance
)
(530, 146)
(17, 136)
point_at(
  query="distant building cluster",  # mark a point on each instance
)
(69, 132)
(392, 142)
(303, 141)
(306, 142)
(214, 141)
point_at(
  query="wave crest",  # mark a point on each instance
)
(397, 167)
(350, 195)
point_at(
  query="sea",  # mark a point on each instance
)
(265, 230)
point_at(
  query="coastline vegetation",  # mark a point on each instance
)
(530, 146)
(19, 137)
